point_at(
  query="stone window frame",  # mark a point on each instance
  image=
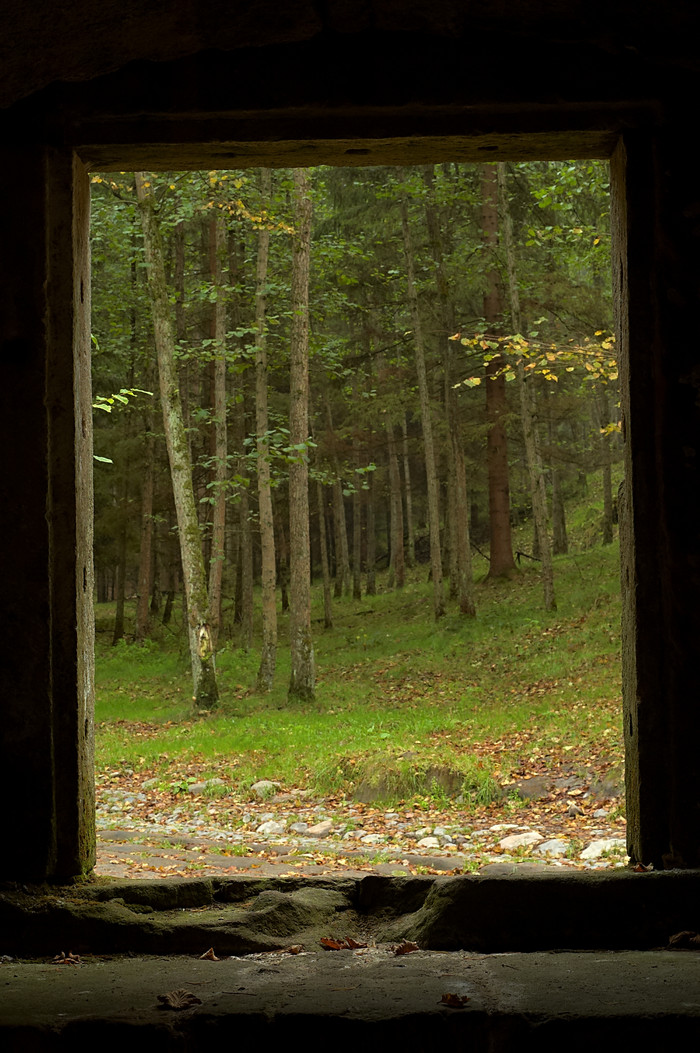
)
(61, 807)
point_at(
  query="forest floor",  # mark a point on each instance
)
(429, 748)
(574, 820)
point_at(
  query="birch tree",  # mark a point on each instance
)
(199, 633)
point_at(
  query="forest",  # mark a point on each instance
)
(339, 375)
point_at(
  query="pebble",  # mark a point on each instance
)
(272, 826)
(607, 844)
(555, 847)
(321, 829)
(531, 837)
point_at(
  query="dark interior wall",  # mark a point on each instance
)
(303, 83)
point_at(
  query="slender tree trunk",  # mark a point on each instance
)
(356, 520)
(303, 678)
(283, 549)
(146, 554)
(461, 576)
(268, 576)
(532, 451)
(371, 584)
(398, 575)
(430, 466)
(502, 564)
(342, 552)
(560, 543)
(201, 650)
(121, 561)
(325, 567)
(410, 530)
(603, 415)
(217, 251)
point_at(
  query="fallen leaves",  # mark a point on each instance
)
(67, 959)
(454, 1001)
(686, 940)
(405, 947)
(179, 999)
(209, 956)
(345, 944)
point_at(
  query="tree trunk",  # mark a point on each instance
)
(461, 575)
(217, 251)
(606, 459)
(147, 548)
(356, 519)
(532, 451)
(325, 567)
(303, 679)
(560, 541)
(410, 531)
(121, 561)
(430, 467)
(201, 650)
(397, 573)
(502, 564)
(371, 584)
(268, 575)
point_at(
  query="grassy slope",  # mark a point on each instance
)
(499, 697)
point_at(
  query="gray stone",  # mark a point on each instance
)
(618, 845)
(321, 829)
(428, 842)
(264, 788)
(555, 847)
(272, 826)
(299, 828)
(531, 837)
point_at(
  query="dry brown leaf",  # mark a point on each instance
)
(332, 945)
(687, 938)
(405, 947)
(67, 959)
(353, 945)
(454, 1001)
(209, 956)
(180, 999)
(294, 948)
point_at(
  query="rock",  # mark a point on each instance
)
(272, 826)
(555, 847)
(321, 829)
(207, 784)
(600, 813)
(573, 810)
(299, 828)
(428, 842)
(373, 839)
(503, 826)
(618, 845)
(264, 788)
(531, 837)
(531, 789)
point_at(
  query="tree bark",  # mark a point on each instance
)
(461, 575)
(439, 609)
(397, 563)
(502, 564)
(268, 575)
(532, 451)
(325, 566)
(302, 682)
(201, 650)
(408, 490)
(146, 551)
(217, 251)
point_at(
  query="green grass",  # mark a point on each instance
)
(397, 696)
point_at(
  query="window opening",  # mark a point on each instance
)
(424, 738)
